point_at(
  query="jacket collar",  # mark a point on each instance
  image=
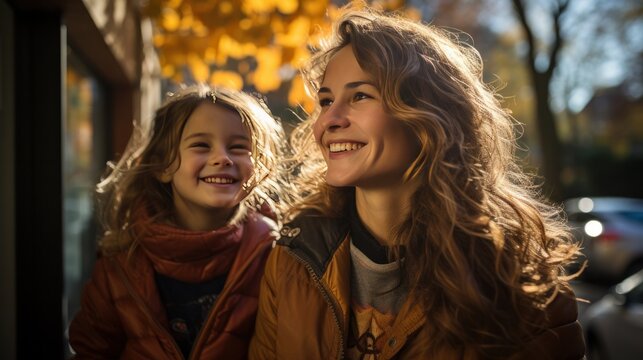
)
(314, 238)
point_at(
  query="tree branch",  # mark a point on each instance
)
(529, 35)
(558, 38)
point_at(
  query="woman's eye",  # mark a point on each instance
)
(361, 96)
(325, 102)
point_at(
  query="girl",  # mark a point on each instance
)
(184, 248)
(418, 236)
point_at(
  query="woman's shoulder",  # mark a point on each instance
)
(311, 230)
(313, 238)
(562, 337)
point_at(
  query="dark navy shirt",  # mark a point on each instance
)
(187, 306)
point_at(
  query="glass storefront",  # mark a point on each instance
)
(85, 139)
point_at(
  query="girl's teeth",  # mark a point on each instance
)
(218, 180)
(339, 147)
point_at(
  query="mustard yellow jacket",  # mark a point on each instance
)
(304, 306)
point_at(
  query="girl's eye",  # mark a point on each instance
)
(199, 145)
(325, 102)
(240, 147)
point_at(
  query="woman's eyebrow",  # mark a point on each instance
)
(354, 84)
(350, 85)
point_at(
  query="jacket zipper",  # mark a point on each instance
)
(146, 310)
(327, 297)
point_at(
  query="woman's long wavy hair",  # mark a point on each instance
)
(133, 182)
(483, 251)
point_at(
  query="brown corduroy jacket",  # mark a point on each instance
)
(123, 317)
(304, 306)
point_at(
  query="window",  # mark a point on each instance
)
(84, 156)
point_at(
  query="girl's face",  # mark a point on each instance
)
(362, 144)
(215, 163)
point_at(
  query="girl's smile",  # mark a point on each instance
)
(219, 179)
(214, 165)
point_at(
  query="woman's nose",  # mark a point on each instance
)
(334, 118)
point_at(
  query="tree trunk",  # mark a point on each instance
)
(548, 139)
(545, 119)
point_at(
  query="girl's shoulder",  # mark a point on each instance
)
(260, 223)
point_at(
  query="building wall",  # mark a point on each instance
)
(34, 38)
(7, 187)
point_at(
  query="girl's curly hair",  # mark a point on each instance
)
(134, 182)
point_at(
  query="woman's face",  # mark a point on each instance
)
(362, 144)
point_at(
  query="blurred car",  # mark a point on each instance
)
(610, 230)
(613, 326)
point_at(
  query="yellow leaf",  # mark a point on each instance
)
(174, 4)
(187, 19)
(277, 25)
(228, 79)
(159, 40)
(168, 70)
(269, 58)
(266, 80)
(245, 24)
(200, 70)
(298, 32)
(315, 8)
(171, 19)
(225, 7)
(287, 7)
(210, 55)
(199, 29)
(301, 55)
(229, 47)
(413, 13)
(249, 49)
(298, 96)
(177, 77)
(258, 6)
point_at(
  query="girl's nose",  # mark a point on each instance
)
(220, 158)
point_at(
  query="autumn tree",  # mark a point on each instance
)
(250, 44)
(541, 76)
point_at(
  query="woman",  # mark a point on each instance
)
(417, 236)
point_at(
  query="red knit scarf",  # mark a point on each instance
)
(190, 256)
